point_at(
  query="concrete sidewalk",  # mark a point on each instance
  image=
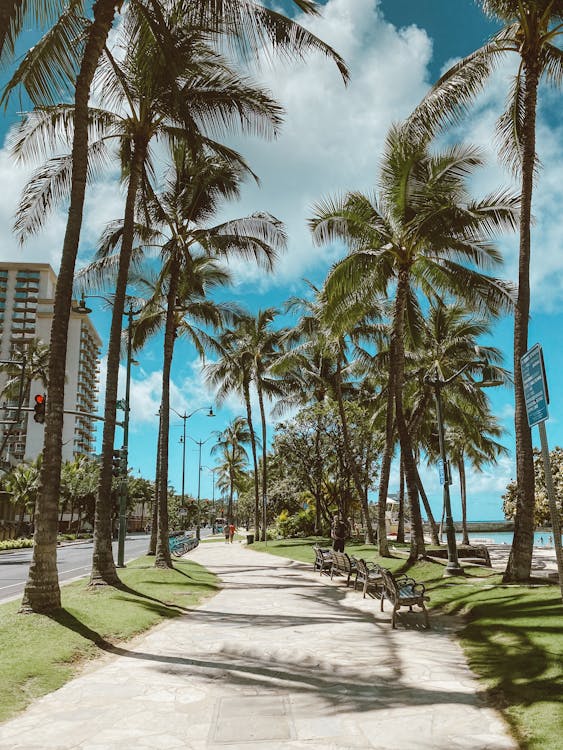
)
(280, 658)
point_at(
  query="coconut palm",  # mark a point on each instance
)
(424, 233)
(531, 30)
(449, 345)
(147, 106)
(244, 21)
(188, 245)
(23, 484)
(230, 447)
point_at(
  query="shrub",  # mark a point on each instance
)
(299, 524)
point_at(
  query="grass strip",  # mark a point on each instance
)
(39, 653)
(512, 637)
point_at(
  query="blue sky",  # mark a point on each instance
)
(331, 142)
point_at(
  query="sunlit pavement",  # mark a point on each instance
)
(280, 658)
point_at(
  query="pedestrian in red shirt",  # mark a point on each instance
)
(232, 529)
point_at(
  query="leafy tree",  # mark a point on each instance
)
(542, 514)
(532, 30)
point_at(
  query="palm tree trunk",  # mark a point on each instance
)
(246, 391)
(352, 467)
(154, 516)
(520, 558)
(163, 556)
(264, 463)
(417, 531)
(434, 531)
(463, 494)
(387, 457)
(318, 475)
(401, 523)
(103, 566)
(42, 593)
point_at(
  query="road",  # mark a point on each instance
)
(73, 561)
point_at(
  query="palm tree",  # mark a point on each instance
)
(245, 21)
(449, 344)
(531, 30)
(418, 234)
(148, 105)
(230, 445)
(197, 185)
(33, 366)
(23, 483)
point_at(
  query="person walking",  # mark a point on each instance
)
(339, 532)
(232, 529)
(226, 532)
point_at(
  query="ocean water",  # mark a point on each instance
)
(541, 538)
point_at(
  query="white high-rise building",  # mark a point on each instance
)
(27, 292)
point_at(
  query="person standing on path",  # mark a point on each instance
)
(232, 529)
(227, 533)
(339, 532)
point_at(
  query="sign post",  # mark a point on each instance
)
(536, 396)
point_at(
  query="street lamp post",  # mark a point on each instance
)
(184, 417)
(453, 568)
(199, 443)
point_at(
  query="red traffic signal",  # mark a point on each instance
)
(39, 408)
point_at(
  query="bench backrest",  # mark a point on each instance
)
(341, 561)
(389, 584)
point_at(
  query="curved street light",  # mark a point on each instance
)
(453, 568)
(82, 309)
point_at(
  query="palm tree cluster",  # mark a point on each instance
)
(166, 82)
(407, 304)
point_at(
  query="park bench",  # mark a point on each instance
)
(344, 564)
(402, 592)
(368, 576)
(323, 559)
(179, 545)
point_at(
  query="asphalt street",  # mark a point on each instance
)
(73, 561)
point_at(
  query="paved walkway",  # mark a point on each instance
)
(280, 658)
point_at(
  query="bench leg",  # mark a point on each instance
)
(426, 620)
(394, 618)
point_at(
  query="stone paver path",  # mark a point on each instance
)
(279, 659)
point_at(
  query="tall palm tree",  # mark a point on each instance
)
(449, 344)
(245, 21)
(146, 105)
(423, 232)
(191, 316)
(188, 245)
(230, 446)
(531, 30)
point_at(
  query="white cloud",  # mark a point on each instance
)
(332, 137)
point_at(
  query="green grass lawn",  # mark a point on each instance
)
(513, 636)
(39, 653)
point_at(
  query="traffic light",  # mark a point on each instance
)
(39, 408)
(116, 464)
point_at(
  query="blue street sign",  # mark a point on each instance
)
(441, 472)
(534, 381)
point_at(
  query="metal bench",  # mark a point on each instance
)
(323, 559)
(344, 564)
(403, 592)
(368, 576)
(179, 545)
